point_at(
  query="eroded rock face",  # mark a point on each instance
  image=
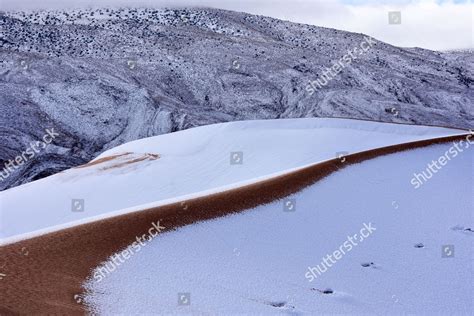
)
(103, 77)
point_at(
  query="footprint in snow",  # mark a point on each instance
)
(463, 229)
(342, 297)
(368, 264)
(419, 245)
(277, 304)
(280, 304)
(325, 291)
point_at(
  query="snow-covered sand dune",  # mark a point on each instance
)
(161, 169)
(257, 262)
(45, 273)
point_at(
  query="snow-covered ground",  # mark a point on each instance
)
(255, 262)
(168, 166)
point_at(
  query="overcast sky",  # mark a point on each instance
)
(432, 24)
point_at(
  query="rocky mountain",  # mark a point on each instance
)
(102, 77)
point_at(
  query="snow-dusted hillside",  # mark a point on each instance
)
(157, 170)
(257, 262)
(107, 76)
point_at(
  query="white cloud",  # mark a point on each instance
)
(424, 24)
(431, 24)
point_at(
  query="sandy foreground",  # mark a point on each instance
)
(44, 275)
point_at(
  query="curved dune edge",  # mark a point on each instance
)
(44, 275)
(398, 123)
